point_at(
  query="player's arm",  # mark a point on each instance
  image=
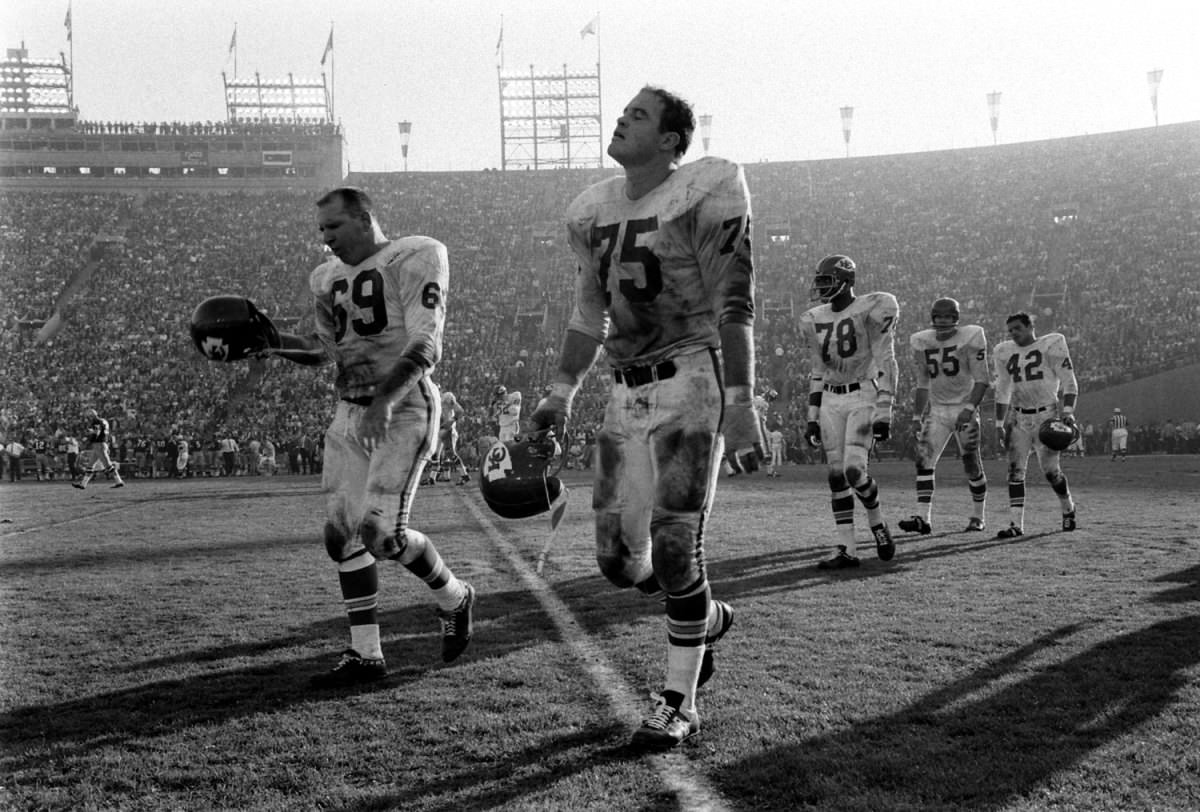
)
(816, 381)
(883, 350)
(921, 371)
(1065, 371)
(306, 350)
(586, 330)
(976, 363)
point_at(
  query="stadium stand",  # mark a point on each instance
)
(1099, 236)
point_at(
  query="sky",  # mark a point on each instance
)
(773, 75)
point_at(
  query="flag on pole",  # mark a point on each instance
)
(233, 40)
(328, 47)
(590, 28)
(67, 22)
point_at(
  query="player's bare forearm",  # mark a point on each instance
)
(304, 350)
(737, 351)
(579, 353)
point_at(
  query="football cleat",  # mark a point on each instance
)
(974, 524)
(457, 626)
(1010, 532)
(666, 727)
(916, 524)
(352, 669)
(885, 548)
(79, 485)
(1069, 521)
(841, 561)
(120, 483)
(706, 664)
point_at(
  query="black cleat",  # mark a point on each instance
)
(666, 727)
(706, 664)
(79, 485)
(352, 669)
(119, 484)
(885, 548)
(841, 561)
(916, 524)
(457, 626)
(974, 525)
(1069, 521)
(1010, 532)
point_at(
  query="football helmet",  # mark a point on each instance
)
(515, 477)
(944, 308)
(835, 274)
(1057, 434)
(231, 328)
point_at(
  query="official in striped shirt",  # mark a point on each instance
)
(1119, 425)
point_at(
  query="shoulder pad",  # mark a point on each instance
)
(973, 336)
(881, 304)
(583, 207)
(922, 338)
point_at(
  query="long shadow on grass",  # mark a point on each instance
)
(955, 750)
(273, 683)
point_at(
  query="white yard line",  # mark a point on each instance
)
(692, 789)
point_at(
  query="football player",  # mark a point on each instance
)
(665, 285)
(97, 435)
(380, 315)
(1031, 370)
(448, 436)
(852, 390)
(951, 366)
(507, 413)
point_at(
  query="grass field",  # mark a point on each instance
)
(157, 641)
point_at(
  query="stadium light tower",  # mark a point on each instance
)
(1154, 78)
(405, 134)
(705, 130)
(994, 111)
(847, 118)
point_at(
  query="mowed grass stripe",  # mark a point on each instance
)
(692, 789)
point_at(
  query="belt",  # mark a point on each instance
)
(365, 400)
(842, 388)
(637, 376)
(1034, 411)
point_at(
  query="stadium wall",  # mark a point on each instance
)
(1173, 395)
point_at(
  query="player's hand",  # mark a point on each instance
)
(1004, 436)
(1069, 419)
(552, 412)
(373, 425)
(964, 417)
(743, 437)
(881, 430)
(812, 433)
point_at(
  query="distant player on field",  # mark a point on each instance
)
(851, 393)
(1118, 426)
(97, 437)
(1030, 372)
(951, 365)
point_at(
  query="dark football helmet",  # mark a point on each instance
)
(230, 328)
(835, 274)
(1057, 434)
(944, 308)
(515, 477)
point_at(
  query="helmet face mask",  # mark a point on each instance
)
(835, 274)
(944, 315)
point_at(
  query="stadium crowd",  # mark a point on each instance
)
(1083, 232)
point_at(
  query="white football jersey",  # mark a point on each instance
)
(856, 344)
(659, 274)
(1031, 377)
(950, 367)
(370, 314)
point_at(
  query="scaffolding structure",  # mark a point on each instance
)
(550, 120)
(286, 100)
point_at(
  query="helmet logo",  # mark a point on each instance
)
(216, 348)
(499, 464)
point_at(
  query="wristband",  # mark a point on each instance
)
(970, 407)
(738, 395)
(999, 423)
(814, 412)
(1067, 410)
